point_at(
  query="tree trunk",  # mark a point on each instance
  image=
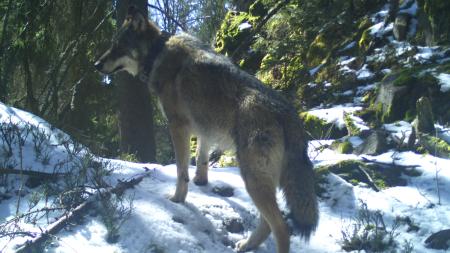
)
(135, 106)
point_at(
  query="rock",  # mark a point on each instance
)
(398, 93)
(388, 97)
(223, 190)
(375, 144)
(435, 146)
(233, 225)
(343, 147)
(401, 25)
(439, 240)
(425, 121)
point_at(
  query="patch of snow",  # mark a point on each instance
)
(443, 132)
(400, 130)
(346, 60)
(363, 89)
(312, 85)
(335, 114)
(386, 71)
(409, 7)
(364, 73)
(425, 54)
(355, 141)
(244, 26)
(444, 81)
(377, 29)
(349, 45)
(313, 71)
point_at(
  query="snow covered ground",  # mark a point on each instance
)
(158, 225)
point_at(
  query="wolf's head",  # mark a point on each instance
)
(130, 46)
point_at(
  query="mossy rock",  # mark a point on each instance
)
(434, 146)
(365, 40)
(374, 144)
(282, 75)
(398, 92)
(319, 129)
(356, 172)
(352, 129)
(436, 12)
(230, 36)
(325, 42)
(343, 147)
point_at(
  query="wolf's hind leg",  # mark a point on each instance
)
(264, 197)
(180, 139)
(258, 236)
(201, 174)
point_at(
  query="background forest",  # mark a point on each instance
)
(47, 49)
(369, 78)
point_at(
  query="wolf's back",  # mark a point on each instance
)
(297, 179)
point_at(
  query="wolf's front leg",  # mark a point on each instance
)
(180, 138)
(201, 174)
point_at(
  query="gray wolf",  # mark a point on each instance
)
(203, 94)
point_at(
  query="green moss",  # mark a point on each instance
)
(354, 172)
(229, 36)
(364, 41)
(350, 125)
(129, 157)
(318, 50)
(315, 127)
(435, 146)
(343, 147)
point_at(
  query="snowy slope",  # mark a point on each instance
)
(158, 225)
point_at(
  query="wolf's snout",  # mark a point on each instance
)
(98, 65)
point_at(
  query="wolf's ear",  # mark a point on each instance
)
(138, 21)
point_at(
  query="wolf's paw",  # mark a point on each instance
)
(200, 181)
(177, 198)
(242, 246)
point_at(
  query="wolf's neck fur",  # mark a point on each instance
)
(155, 50)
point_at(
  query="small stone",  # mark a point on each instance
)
(233, 225)
(223, 190)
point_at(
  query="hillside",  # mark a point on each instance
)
(376, 105)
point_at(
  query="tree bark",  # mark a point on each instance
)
(135, 105)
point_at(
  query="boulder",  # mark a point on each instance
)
(375, 144)
(401, 26)
(398, 93)
(439, 240)
(424, 122)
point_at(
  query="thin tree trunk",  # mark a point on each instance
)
(3, 85)
(135, 106)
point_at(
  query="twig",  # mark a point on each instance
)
(168, 16)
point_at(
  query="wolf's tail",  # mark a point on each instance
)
(297, 179)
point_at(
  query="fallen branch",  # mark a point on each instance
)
(30, 173)
(369, 179)
(36, 243)
(388, 164)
